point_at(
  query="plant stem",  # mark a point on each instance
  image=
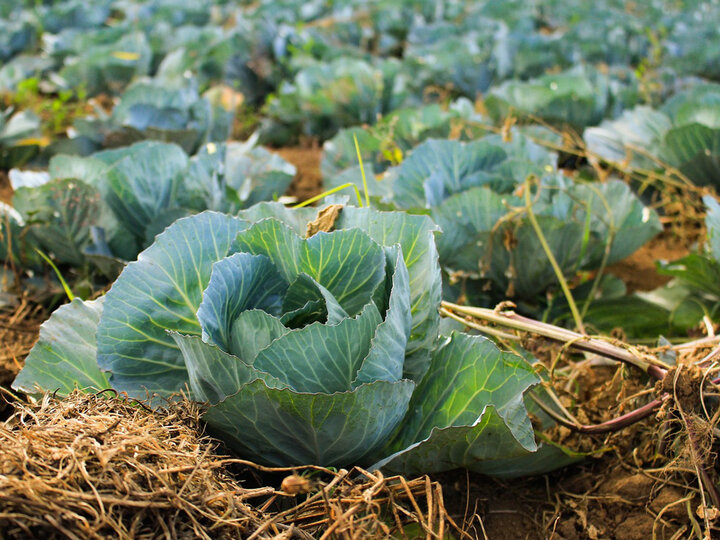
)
(549, 254)
(330, 192)
(362, 172)
(65, 286)
(616, 424)
(575, 340)
(486, 329)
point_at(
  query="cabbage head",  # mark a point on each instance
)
(309, 348)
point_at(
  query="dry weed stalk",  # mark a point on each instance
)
(678, 396)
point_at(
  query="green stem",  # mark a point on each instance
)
(64, 284)
(548, 252)
(362, 172)
(330, 192)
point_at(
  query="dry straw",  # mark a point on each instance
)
(100, 466)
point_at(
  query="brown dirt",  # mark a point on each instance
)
(6, 191)
(639, 271)
(308, 180)
(684, 383)
(597, 499)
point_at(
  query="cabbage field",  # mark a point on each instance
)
(360, 269)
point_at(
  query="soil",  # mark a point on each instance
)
(6, 191)
(596, 499)
(639, 271)
(19, 328)
(308, 180)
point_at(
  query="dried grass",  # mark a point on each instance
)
(99, 466)
(19, 329)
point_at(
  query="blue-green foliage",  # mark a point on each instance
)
(684, 133)
(104, 209)
(309, 350)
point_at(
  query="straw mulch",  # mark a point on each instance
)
(100, 466)
(19, 327)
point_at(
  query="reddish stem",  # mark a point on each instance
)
(621, 421)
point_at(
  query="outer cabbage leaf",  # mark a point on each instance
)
(467, 410)
(161, 291)
(283, 427)
(65, 357)
(214, 374)
(295, 218)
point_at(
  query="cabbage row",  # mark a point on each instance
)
(327, 347)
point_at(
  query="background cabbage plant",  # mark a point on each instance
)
(20, 137)
(684, 133)
(324, 97)
(153, 109)
(578, 97)
(694, 292)
(387, 142)
(474, 192)
(104, 209)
